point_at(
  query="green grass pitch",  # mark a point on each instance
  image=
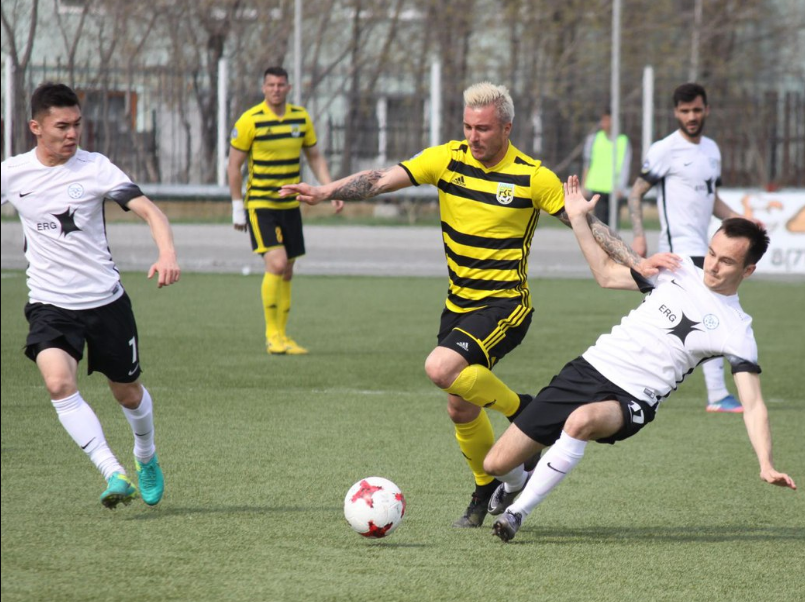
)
(259, 451)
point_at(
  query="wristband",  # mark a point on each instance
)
(238, 212)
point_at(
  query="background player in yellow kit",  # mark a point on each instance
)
(272, 136)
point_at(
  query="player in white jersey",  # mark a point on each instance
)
(613, 390)
(686, 168)
(75, 295)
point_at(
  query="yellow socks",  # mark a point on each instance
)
(283, 305)
(270, 291)
(475, 440)
(480, 387)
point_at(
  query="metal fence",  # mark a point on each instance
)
(152, 122)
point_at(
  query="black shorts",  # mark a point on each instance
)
(109, 331)
(271, 228)
(485, 335)
(576, 385)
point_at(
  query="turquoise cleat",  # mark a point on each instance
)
(118, 490)
(728, 404)
(151, 481)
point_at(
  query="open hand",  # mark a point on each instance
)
(575, 203)
(305, 193)
(651, 265)
(777, 478)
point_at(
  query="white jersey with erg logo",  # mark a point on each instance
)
(680, 324)
(686, 175)
(61, 210)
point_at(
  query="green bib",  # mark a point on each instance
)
(599, 177)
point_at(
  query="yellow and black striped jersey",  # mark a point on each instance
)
(488, 219)
(274, 145)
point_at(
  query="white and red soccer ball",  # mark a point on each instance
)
(374, 507)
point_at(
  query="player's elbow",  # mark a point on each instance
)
(605, 277)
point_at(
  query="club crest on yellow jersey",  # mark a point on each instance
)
(505, 194)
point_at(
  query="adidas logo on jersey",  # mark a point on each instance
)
(464, 345)
(458, 181)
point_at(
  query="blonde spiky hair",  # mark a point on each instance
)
(484, 94)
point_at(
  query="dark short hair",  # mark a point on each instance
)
(739, 227)
(276, 72)
(688, 93)
(50, 95)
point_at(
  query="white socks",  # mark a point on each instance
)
(81, 423)
(553, 466)
(714, 378)
(142, 425)
(83, 426)
(514, 480)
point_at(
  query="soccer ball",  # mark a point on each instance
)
(374, 507)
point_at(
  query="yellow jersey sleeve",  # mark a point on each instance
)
(547, 191)
(427, 167)
(310, 133)
(242, 134)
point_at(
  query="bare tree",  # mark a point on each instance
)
(71, 35)
(18, 16)
(554, 57)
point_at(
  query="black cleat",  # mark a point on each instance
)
(476, 512)
(507, 525)
(502, 499)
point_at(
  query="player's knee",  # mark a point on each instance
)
(439, 372)
(60, 386)
(278, 264)
(493, 465)
(580, 424)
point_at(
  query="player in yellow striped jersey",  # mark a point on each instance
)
(272, 136)
(490, 196)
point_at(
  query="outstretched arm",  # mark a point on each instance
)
(357, 187)
(639, 190)
(613, 245)
(166, 265)
(756, 419)
(607, 272)
(318, 164)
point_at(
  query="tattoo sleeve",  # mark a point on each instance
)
(613, 244)
(363, 185)
(640, 188)
(608, 240)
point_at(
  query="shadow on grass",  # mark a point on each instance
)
(609, 535)
(380, 544)
(169, 511)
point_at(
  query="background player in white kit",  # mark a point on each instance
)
(75, 294)
(686, 167)
(612, 391)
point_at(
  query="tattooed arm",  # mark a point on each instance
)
(614, 246)
(357, 187)
(639, 190)
(608, 240)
